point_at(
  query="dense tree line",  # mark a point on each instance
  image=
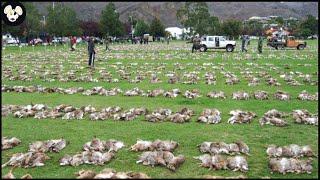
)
(62, 21)
(308, 27)
(196, 17)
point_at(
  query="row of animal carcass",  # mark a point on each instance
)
(214, 161)
(173, 78)
(282, 159)
(107, 173)
(190, 94)
(209, 116)
(155, 153)
(157, 147)
(36, 155)
(93, 154)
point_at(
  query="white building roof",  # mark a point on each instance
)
(176, 31)
(255, 18)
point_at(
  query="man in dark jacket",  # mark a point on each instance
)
(260, 45)
(91, 52)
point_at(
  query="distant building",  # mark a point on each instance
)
(273, 25)
(268, 22)
(273, 17)
(293, 19)
(263, 20)
(254, 18)
(177, 32)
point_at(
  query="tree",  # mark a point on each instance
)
(305, 32)
(196, 16)
(127, 27)
(109, 21)
(253, 28)
(15, 31)
(157, 28)
(232, 27)
(133, 20)
(279, 21)
(141, 28)
(62, 21)
(292, 25)
(214, 25)
(31, 25)
(309, 26)
(90, 28)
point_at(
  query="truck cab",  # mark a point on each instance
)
(216, 42)
(286, 41)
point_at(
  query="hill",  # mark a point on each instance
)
(166, 11)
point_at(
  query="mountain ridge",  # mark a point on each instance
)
(166, 11)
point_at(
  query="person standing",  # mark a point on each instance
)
(71, 43)
(106, 41)
(243, 42)
(196, 43)
(248, 41)
(260, 45)
(91, 52)
(74, 43)
(168, 39)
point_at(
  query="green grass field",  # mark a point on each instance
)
(188, 135)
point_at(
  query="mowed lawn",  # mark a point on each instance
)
(188, 135)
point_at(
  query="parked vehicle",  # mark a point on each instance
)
(56, 40)
(313, 37)
(79, 40)
(216, 42)
(122, 39)
(35, 41)
(287, 42)
(147, 37)
(12, 40)
(97, 40)
(65, 39)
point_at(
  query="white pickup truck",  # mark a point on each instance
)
(216, 42)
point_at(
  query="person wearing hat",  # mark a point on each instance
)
(196, 43)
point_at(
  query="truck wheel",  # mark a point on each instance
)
(229, 48)
(300, 47)
(203, 48)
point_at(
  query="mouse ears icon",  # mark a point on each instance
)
(13, 13)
